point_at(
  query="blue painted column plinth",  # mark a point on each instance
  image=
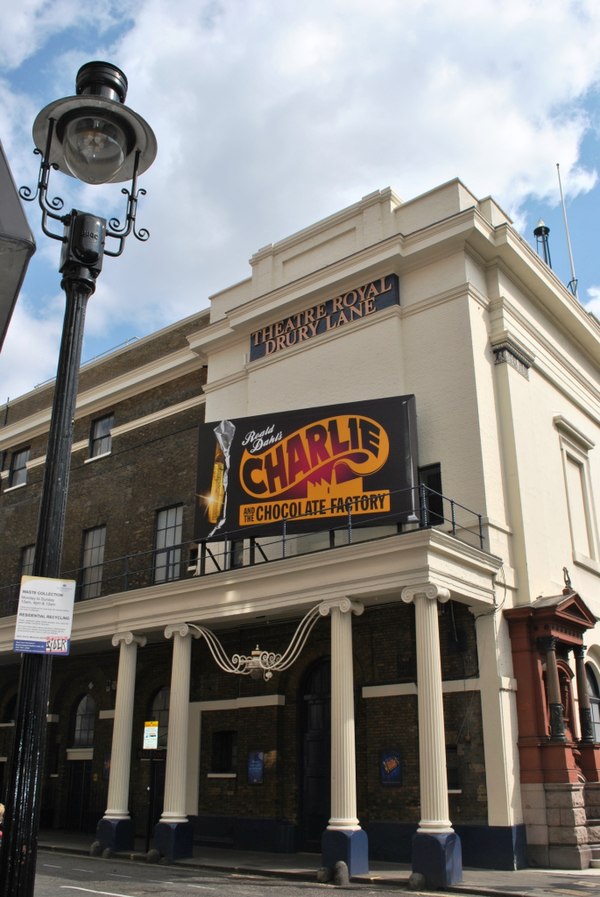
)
(174, 840)
(115, 834)
(350, 846)
(438, 858)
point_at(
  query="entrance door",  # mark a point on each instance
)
(79, 816)
(316, 754)
(157, 790)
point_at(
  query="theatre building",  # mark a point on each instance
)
(337, 558)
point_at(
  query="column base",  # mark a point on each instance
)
(114, 835)
(590, 761)
(174, 840)
(349, 845)
(438, 858)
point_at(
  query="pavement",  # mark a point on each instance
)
(303, 867)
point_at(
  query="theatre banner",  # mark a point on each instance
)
(326, 316)
(309, 467)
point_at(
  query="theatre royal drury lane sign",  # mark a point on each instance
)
(308, 466)
(325, 317)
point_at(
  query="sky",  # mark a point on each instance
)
(273, 114)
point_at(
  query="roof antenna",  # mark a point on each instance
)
(541, 233)
(572, 285)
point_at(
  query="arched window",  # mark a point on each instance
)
(160, 713)
(85, 719)
(594, 692)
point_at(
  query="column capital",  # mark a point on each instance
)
(129, 639)
(428, 590)
(344, 605)
(182, 629)
(547, 643)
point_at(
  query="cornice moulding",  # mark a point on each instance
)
(107, 393)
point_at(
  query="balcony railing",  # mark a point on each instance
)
(240, 549)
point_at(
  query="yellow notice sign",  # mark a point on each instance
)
(151, 735)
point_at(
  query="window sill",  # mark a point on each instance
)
(583, 561)
(12, 488)
(221, 775)
(97, 457)
(80, 753)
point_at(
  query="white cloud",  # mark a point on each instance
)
(272, 114)
(593, 302)
(30, 349)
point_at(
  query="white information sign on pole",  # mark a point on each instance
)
(44, 616)
(151, 735)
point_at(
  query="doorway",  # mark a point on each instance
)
(79, 815)
(316, 754)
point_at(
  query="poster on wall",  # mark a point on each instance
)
(390, 767)
(310, 467)
(256, 768)
(44, 616)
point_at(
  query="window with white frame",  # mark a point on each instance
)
(94, 541)
(224, 752)
(594, 693)
(101, 436)
(27, 554)
(18, 468)
(85, 721)
(167, 559)
(575, 449)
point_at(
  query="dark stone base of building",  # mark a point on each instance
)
(484, 847)
(246, 833)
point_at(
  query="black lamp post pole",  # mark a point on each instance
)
(19, 849)
(94, 138)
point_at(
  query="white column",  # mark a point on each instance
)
(177, 741)
(343, 749)
(499, 718)
(432, 741)
(120, 758)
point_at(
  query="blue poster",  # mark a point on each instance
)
(390, 768)
(256, 767)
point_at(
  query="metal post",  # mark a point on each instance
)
(102, 88)
(424, 507)
(19, 849)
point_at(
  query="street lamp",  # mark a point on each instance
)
(95, 138)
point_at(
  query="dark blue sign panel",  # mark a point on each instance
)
(324, 317)
(256, 768)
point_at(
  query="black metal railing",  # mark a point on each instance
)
(239, 549)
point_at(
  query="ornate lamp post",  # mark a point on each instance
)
(95, 138)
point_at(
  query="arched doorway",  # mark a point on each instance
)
(315, 703)
(80, 814)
